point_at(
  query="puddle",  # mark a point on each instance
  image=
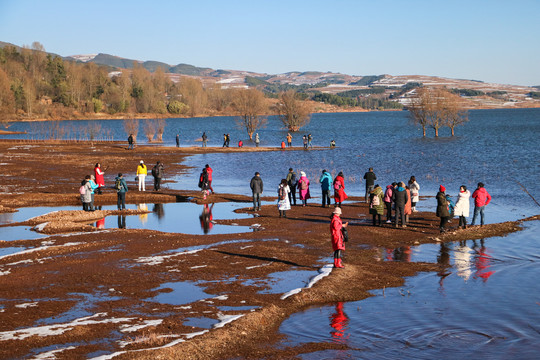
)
(484, 305)
(10, 250)
(238, 308)
(11, 233)
(183, 292)
(202, 322)
(281, 282)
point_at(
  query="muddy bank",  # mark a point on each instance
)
(119, 290)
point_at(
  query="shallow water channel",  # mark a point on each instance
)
(484, 304)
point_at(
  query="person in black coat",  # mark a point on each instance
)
(256, 185)
(400, 198)
(442, 208)
(370, 178)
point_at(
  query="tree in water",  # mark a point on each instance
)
(293, 112)
(250, 105)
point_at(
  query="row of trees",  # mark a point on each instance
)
(436, 108)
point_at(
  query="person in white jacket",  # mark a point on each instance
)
(461, 208)
(414, 188)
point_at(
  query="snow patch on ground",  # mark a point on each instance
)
(51, 355)
(221, 297)
(146, 323)
(159, 259)
(26, 305)
(257, 266)
(323, 272)
(198, 267)
(226, 319)
(40, 227)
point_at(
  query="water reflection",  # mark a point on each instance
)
(206, 218)
(159, 210)
(339, 321)
(121, 221)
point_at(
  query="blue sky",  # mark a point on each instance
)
(488, 40)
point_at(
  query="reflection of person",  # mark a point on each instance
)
(159, 210)
(481, 199)
(206, 218)
(100, 224)
(482, 262)
(144, 216)
(121, 192)
(121, 221)
(339, 322)
(338, 245)
(256, 185)
(443, 259)
(142, 171)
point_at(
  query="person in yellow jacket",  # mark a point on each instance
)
(142, 171)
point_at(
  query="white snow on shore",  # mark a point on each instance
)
(26, 305)
(159, 259)
(323, 272)
(146, 323)
(51, 355)
(226, 319)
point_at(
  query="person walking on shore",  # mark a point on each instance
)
(292, 181)
(256, 185)
(142, 171)
(257, 140)
(326, 185)
(100, 180)
(415, 193)
(305, 141)
(289, 140)
(303, 188)
(462, 206)
(339, 189)
(130, 142)
(204, 139)
(310, 139)
(93, 186)
(442, 208)
(228, 139)
(224, 140)
(209, 171)
(338, 245)
(283, 198)
(376, 205)
(157, 173)
(203, 182)
(400, 198)
(177, 140)
(388, 202)
(370, 178)
(481, 200)
(121, 189)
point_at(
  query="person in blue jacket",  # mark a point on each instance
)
(326, 185)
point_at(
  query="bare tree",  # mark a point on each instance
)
(94, 129)
(149, 129)
(293, 112)
(421, 108)
(131, 126)
(193, 95)
(454, 112)
(160, 129)
(250, 105)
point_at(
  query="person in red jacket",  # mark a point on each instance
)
(209, 171)
(339, 189)
(481, 199)
(100, 181)
(337, 236)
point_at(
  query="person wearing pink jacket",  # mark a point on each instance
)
(481, 199)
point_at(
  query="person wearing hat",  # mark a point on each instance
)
(303, 188)
(338, 245)
(142, 171)
(442, 208)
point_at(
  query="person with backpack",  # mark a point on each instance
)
(100, 181)
(209, 171)
(283, 198)
(481, 200)
(326, 185)
(203, 182)
(121, 189)
(388, 201)
(376, 205)
(292, 181)
(303, 188)
(442, 208)
(204, 139)
(370, 178)
(157, 173)
(339, 189)
(256, 185)
(86, 193)
(338, 244)
(400, 198)
(142, 171)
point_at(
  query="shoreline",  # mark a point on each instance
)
(136, 263)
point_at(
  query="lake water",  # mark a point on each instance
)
(496, 147)
(483, 304)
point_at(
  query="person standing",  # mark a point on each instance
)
(415, 195)
(177, 140)
(203, 182)
(442, 208)
(121, 190)
(157, 173)
(303, 188)
(370, 178)
(400, 198)
(326, 184)
(204, 139)
(408, 205)
(130, 142)
(338, 245)
(256, 185)
(100, 180)
(304, 141)
(224, 140)
(86, 193)
(283, 198)
(289, 140)
(228, 139)
(309, 139)
(462, 206)
(93, 187)
(257, 140)
(339, 189)
(388, 202)
(209, 171)
(142, 171)
(292, 181)
(376, 205)
(481, 200)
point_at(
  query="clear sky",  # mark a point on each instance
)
(488, 40)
